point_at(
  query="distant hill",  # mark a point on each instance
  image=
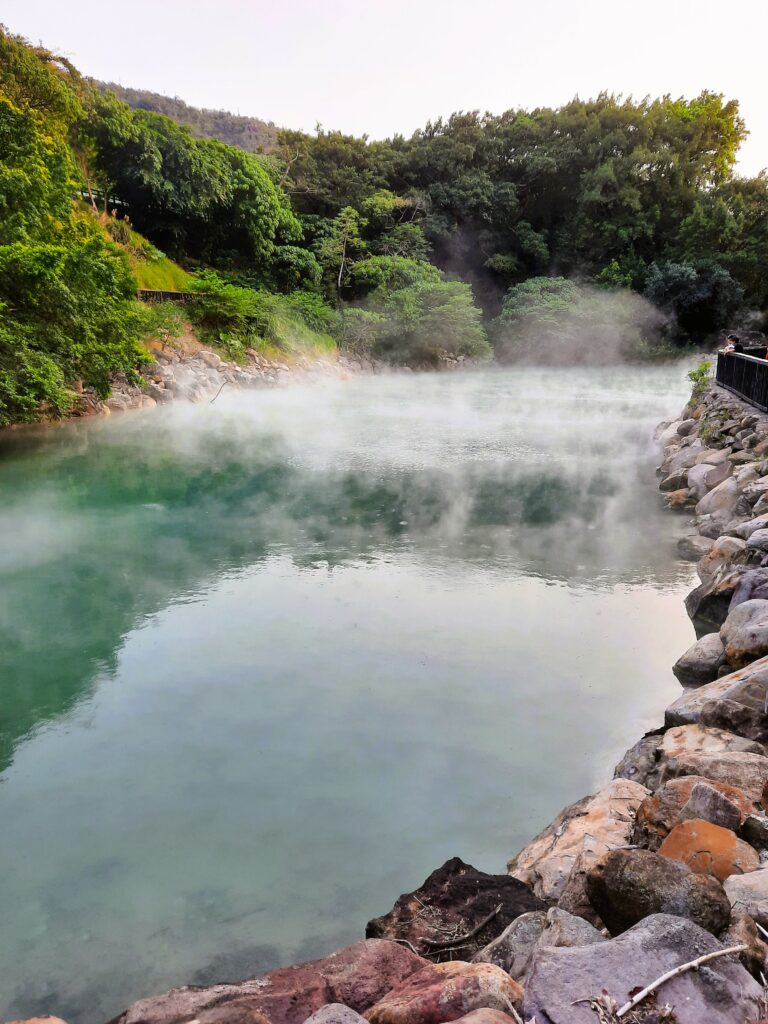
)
(248, 133)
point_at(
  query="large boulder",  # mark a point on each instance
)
(579, 836)
(745, 530)
(357, 976)
(647, 760)
(561, 981)
(745, 771)
(748, 894)
(745, 632)
(513, 949)
(693, 547)
(704, 477)
(723, 551)
(658, 814)
(446, 992)
(708, 604)
(709, 849)
(735, 702)
(628, 885)
(701, 662)
(453, 901)
(722, 499)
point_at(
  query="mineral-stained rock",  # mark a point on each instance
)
(749, 894)
(694, 547)
(745, 632)
(745, 771)
(659, 813)
(678, 498)
(445, 992)
(735, 702)
(39, 1020)
(708, 803)
(742, 931)
(560, 979)
(709, 849)
(453, 901)
(628, 885)
(586, 831)
(335, 1013)
(484, 1016)
(701, 662)
(513, 949)
(357, 976)
(724, 551)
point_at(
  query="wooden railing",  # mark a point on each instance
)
(745, 375)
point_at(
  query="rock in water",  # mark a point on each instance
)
(709, 849)
(454, 900)
(560, 979)
(628, 885)
(581, 833)
(701, 662)
(446, 992)
(357, 976)
(735, 702)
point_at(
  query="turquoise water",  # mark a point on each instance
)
(267, 663)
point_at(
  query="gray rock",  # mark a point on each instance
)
(513, 949)
(335, 1013)
(758, 540)
(722, 499)
(564, 929)
(674, 482)
(751, 584)
(742, 931)
(745, 530)
(640, 761)
(708, 604)
(735, 702)
(754, 830)
(745, 632)
(628, 885)
(686, 427)
(694, 547)
(749, 894)
(701, 662)
(709, 804)
(744, 770)
(560, 979)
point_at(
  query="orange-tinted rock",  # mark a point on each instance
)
(658, 814)
(39, 1020)
(709, 849)
(447, 992)
(678, 498)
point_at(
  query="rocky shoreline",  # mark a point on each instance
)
(666, 867)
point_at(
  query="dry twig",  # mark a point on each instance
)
(435, 945)
(691, 966)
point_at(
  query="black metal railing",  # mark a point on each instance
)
(745, 375)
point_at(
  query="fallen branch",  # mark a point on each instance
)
(405, 942)
(433, 944)
(691, 966)
(515, 1015)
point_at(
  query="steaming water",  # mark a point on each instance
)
(265, 664)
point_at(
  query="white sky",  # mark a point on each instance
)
(366, 66)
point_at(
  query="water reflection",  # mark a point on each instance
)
(267, 663)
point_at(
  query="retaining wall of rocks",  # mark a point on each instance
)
(666, 864)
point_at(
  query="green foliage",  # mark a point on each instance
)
(240, 318)
(428, 319)
(556, 320)
(702, 297)
(248, 133)
(700, 379)
(377, 276)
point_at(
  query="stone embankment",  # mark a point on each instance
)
(184, 369)
(664, 866)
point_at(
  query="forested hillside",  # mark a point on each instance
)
(248, 133)
(604, 228)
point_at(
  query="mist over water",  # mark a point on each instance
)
(267, 663)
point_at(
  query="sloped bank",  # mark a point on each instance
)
(666, 866)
